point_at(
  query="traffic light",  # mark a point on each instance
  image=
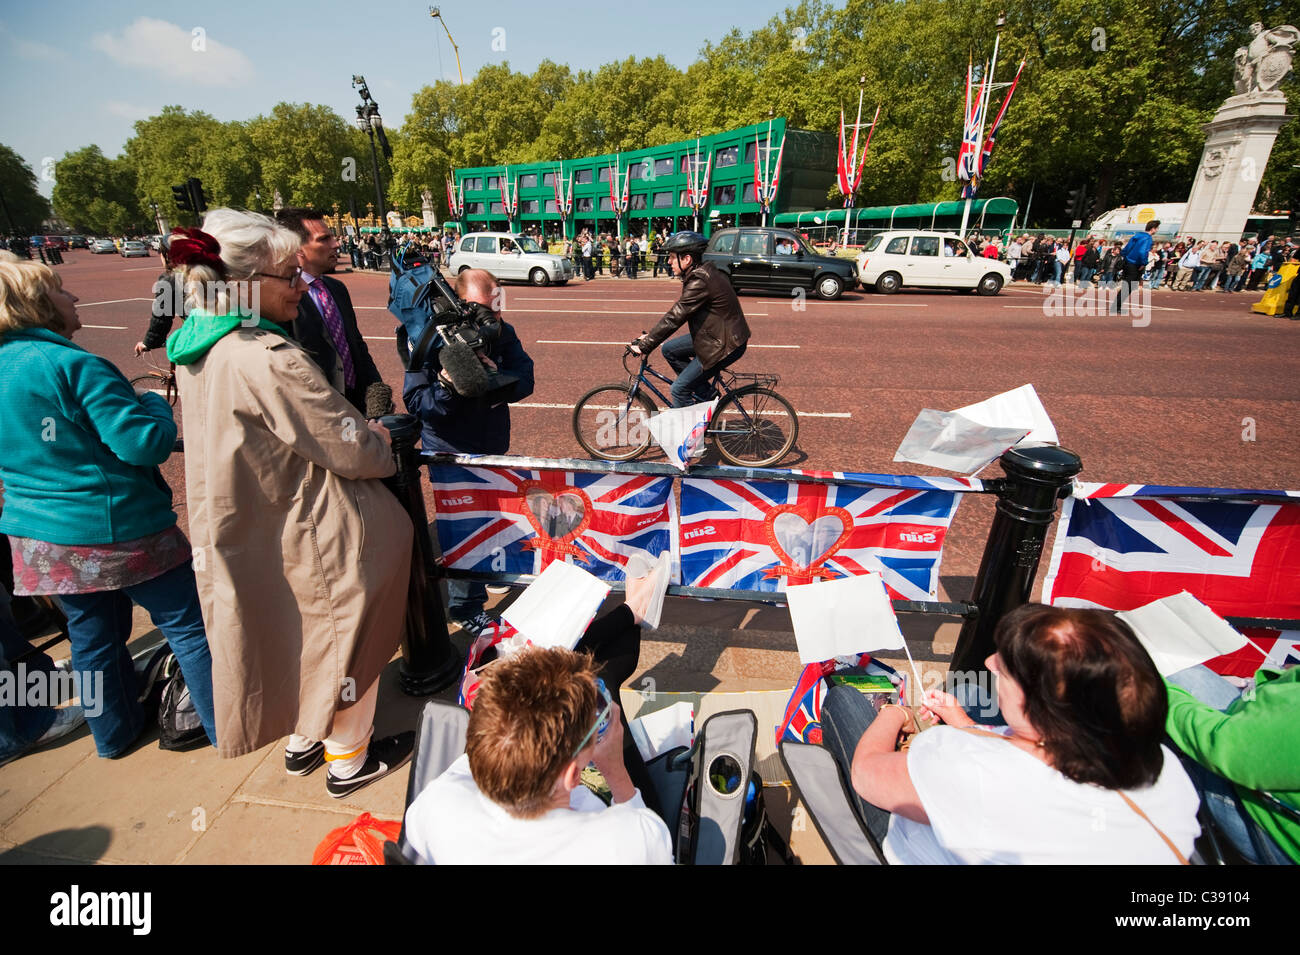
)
(181, 195)
(1077, 202)
(199, 202)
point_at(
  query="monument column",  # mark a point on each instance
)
(1240, 137)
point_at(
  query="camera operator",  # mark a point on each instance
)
(464, 425)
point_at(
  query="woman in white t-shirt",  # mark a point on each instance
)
(1077, 775)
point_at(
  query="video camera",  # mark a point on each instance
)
(442, 333)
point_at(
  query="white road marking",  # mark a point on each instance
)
(116, 328)
(1059, 305)
(588, 311)
(115, 301)
(552, 341)
(562, 407)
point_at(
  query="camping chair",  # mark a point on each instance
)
(820, 787)
(715, 839)
(1213, 848)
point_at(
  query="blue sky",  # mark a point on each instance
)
(80, 73)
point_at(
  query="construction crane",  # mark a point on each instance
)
(436, 13)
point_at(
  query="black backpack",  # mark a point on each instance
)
(179, 727)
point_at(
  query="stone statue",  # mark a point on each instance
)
(277, 201)
(1266, 61)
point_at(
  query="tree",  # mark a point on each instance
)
(22, 208)
(97, 195)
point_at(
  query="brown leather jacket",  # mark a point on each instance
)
(709, 304)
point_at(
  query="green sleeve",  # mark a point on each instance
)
(1256, 746)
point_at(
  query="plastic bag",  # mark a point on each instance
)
(360, 842)
(681, 431)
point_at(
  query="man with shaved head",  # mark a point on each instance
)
(463, 425)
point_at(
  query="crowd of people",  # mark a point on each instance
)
(287, 598)
(626, 256)
(1187, 264)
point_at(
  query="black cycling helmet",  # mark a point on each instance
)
(686, 243)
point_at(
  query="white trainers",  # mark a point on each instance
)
(66, 720)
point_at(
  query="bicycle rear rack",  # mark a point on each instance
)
(733, 380)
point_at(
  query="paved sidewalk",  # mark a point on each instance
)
(63, 804)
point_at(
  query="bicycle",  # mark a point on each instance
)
(158, 380)
(753, 426)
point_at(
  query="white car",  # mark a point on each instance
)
(914, 259)
(510, 256)
(134, 249)
(102, 245)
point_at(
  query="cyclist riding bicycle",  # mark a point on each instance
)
(709, 304)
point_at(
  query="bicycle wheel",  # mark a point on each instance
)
(610, 423)
(160, 384)
(754, 427)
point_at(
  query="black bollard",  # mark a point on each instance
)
(1036, 476)
(429, 661)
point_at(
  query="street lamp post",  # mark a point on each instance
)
(370, 122)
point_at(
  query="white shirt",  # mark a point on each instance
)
(453, 823)
(989, 802)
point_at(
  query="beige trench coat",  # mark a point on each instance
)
(301, 555)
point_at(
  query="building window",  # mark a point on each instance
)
(473, 208)
(548, 179)
(638, 170)
(494, 182)
(473, 185)
(583, 203)
(727, 157)
(497, 207)
(529, 181)
(724, 195)
(604, 204)
(528, 205)
(637, 203)
(663, 167)
(583, 177)
(683, 201)
(551, 206)
(749, 195)
(663, 200)
(604, 174)
(750, 151)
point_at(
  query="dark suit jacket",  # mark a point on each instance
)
(309, 330)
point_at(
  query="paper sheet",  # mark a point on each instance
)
(1017, 408)
(661, 572)
(948, 440)
(842, 617)
(556, 608)
(662, 730)
(1181, 632)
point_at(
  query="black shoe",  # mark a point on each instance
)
(301, 764)
(476, 624)
(384, 756)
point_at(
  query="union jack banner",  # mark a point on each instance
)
(1120, 546)
(455, 198)
(519, 520)
(509, 197)
(968, 156)
(763, 535)
(563, 192)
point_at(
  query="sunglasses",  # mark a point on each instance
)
(602, 718)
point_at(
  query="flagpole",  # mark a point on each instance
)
(853, 159)
(983, 111)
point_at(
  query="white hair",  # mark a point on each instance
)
(250, 243)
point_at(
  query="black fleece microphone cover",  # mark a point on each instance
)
(469, 378)
(379, 400)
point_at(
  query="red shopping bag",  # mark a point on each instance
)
(360, 842)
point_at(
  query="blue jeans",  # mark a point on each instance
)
(846, 715)
(692, 385)
(1202, 272)
(99, 626)
(20, 726)
(1218, 794)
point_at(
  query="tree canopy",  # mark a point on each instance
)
(1113, 98)
(23, 209)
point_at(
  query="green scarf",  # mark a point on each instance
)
(202, 330)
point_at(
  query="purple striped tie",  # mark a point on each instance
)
(334, 325)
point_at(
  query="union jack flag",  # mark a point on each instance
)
(802, 721)
(519, 520)
(761, 535)
(1122, 546)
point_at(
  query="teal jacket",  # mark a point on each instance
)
(79, 450)
(1255, 745)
